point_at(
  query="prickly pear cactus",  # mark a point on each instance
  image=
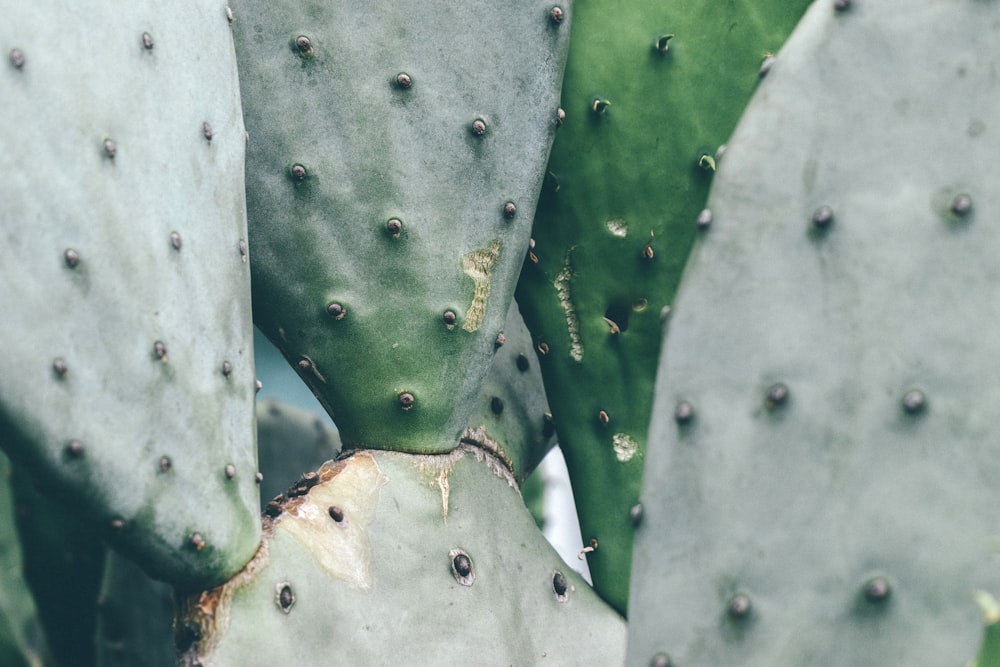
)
(437, 553)
(821, 479)
(989, 651)
(127, 373)
(22, 642)
(651, 90)
(394, 162)
(511, 416)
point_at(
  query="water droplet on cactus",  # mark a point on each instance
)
(961, 205)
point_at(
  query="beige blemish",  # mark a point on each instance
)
(478, 265)
(343, 549)
(625, 447)
(562, 285)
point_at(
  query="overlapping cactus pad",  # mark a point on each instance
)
(387, 558)
(652, 89)
(394, 163)
(822, 480)
(126, 379)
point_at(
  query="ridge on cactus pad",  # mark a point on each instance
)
(388, 558)
(393, 166)
(126, 381)
(650, 88)
(821, 484)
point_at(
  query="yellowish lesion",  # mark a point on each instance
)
(562, 285)
(478, 265)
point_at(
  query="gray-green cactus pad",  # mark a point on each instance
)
(393, 558)
(822, 480)
(126, 379)
(394, 164)
(511, 415)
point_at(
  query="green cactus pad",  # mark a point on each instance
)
(616, 220)
(22, 642)
(821, 485)
(511, 416)
(391, 558)
(127, 373)
(394, 164)
(989, 650)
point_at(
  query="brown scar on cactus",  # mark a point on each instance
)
(563, 292)
(478, 265)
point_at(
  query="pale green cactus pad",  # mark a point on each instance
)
(821, 485)
(386, 558)
(126, 381)
(394, 164)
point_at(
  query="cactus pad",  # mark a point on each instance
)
(394, 163)
(127, 374)
(437, 553)
(821, 480)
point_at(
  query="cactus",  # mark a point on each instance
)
(821, 483)
(128, 372)
(511, 415)
(436, 552)
(22, 642)
(615, 223)
(391, 185)
(989, 651)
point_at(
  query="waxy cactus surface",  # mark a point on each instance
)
(127, 372)
(394, 161)
(650, 88)
(390, 558)
(821, 485)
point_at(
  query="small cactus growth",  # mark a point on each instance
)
(799, 444)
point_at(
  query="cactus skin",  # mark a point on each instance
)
(852, 476)
(387, 570)
(338, 148)
(624, 183)
(989, 651)
(22, 642)
(126, 293)
(511, 417)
